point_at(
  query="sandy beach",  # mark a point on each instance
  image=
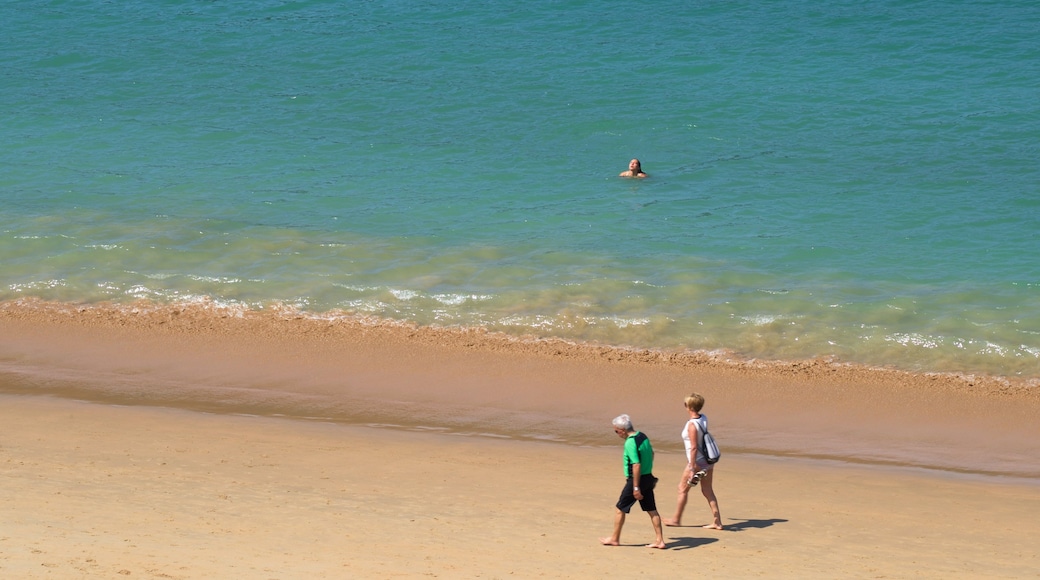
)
(189, 445)
(98, 491)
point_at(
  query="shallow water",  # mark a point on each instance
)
(847, 181)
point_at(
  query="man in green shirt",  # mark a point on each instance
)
(639, 482)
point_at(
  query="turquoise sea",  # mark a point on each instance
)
(841, 179)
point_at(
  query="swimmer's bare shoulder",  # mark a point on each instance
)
(635, 169)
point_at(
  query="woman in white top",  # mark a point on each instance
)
(697, 469)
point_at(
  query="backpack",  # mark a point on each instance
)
(709, 449)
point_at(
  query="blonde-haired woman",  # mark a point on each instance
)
(697, 471)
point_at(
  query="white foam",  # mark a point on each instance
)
(404, 294)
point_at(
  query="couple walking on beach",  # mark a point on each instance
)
(638, 457)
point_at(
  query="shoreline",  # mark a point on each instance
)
(191, 317)
(361, 372)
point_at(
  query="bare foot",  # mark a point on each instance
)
(609, 542)
(658, 545)
(672, 523)
(713, 527)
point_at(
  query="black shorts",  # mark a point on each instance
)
(646, 487)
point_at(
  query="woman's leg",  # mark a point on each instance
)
(680, 504)
(713, 502)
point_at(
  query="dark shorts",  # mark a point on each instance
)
(646, 487)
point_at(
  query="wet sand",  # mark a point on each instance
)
(172, 442)
(359, 371)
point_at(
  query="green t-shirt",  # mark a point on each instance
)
(638, 450)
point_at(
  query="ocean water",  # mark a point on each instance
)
(845, 180)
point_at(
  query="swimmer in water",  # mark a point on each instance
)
(634, 170)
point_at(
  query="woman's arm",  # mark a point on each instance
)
(691, 432)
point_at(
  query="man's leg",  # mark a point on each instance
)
(615, 539)
(655, 520)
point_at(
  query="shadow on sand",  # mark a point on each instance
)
(741, 525)
(734, 525)
(687, 543)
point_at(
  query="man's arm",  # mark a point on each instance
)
(636, 472)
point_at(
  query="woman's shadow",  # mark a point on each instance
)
(734, 526)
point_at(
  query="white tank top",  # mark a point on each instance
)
(702, 426)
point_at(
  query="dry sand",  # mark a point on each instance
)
(159, 472)
(95, 491)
